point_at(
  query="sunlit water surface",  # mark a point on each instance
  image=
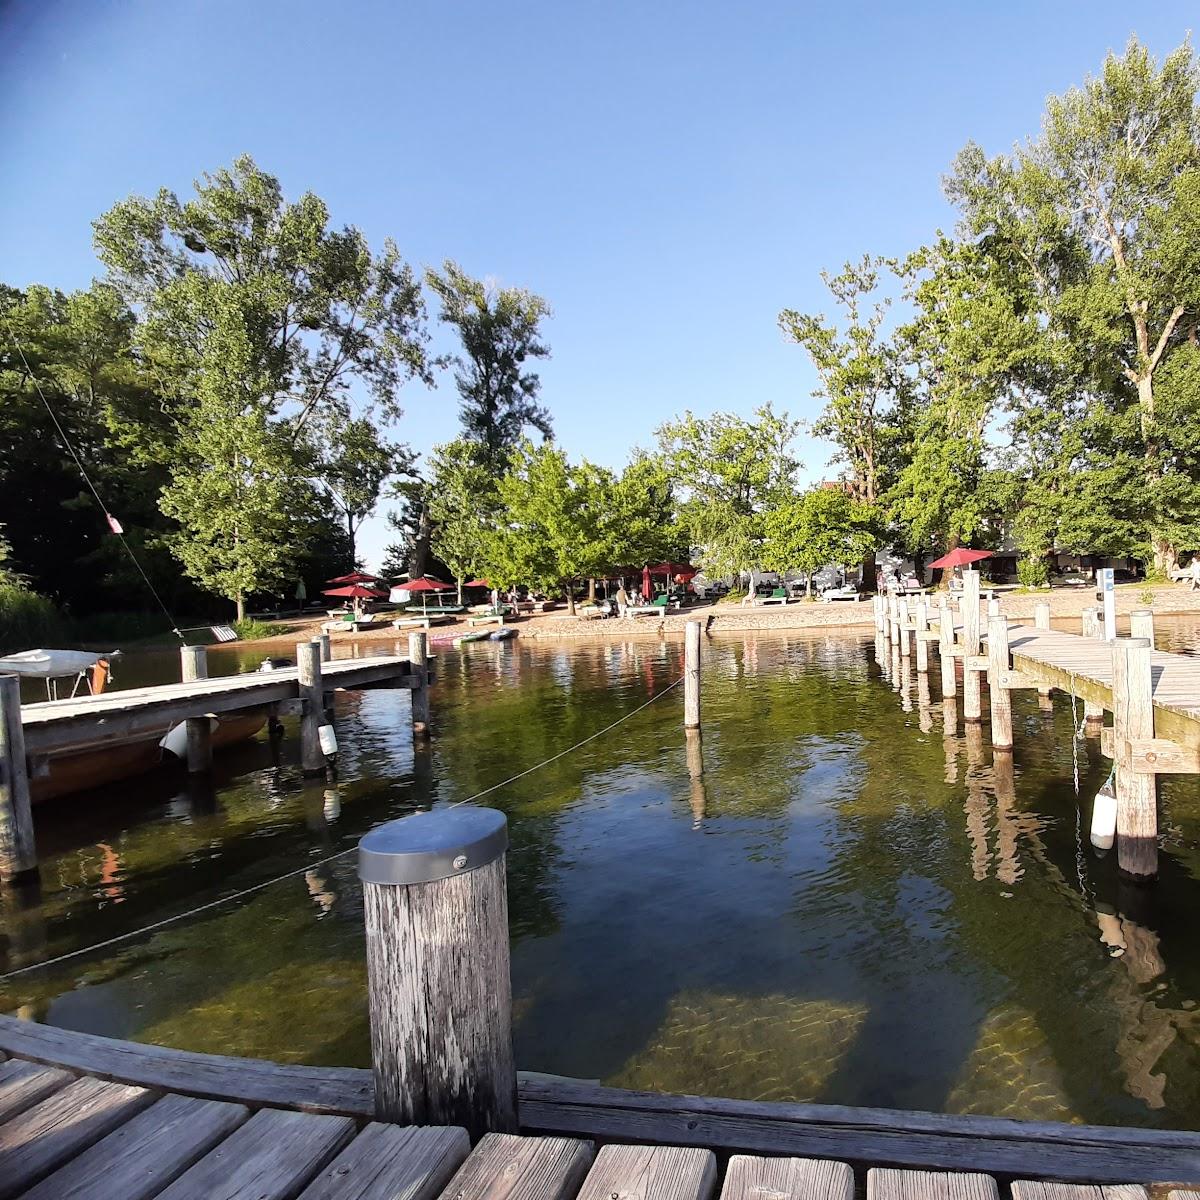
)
(850, 905)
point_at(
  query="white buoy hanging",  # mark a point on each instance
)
(328, 740)
(1104, 815)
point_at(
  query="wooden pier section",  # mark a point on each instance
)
(87, 1116)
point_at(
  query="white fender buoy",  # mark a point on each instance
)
(1104, 816)
(328, 739)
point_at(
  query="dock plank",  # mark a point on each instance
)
(390, 1162)
(271, 1157)
(138, 1159)
(749, 1177)
(1027, 1189)
(505, 1166)
(885, 1183)
(50, 1133)
(651, 1173)
(23, 1084)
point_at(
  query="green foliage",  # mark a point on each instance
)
(27, 620)
(463, 504)
(499, 330)
(816, 528)
(732, 472)
(1033, 572)
(251, 627)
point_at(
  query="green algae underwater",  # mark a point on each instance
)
(852, 903)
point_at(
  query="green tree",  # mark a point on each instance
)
(499, 329)
(1105, 208)
(552, 528)
(732, 471)
(462, 508)
(813, 529)
(640, 515)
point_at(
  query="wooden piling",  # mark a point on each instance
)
(691, 675)
(993, 607)
(312, 706)
(921, 627)
(1133, 719)
(998, 694)
(905, 625)
(1093, 712)
(18, 850)
(946, 646)
(193, 666)
(879, 609)
(698, 798)
(1041, 620)
(1141, 625)
(326, 646)
(439, 990)
(972, 706)
(418, 657)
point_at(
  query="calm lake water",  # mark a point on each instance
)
(851, 905)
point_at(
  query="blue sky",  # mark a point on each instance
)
(668, 175)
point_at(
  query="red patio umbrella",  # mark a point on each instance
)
(477, 583)
(424, 584)
(356, 591)
(355, 577)
(960, 557)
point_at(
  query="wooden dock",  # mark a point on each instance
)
(87, 1116)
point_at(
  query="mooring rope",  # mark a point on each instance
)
(320, 862)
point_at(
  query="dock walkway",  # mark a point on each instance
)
(84, 720)
(82, 1115)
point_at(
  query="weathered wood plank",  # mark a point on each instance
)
(43, 1137)
(749, 1177)
(271, 1157)
(24, 1084)
(215, 1077)
(862, 1136)
(1025, 1189)
(651, 1173)
(137, 1160)
(390, 1162)
(505, 1166)
(884, 1183)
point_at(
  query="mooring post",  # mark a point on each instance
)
(691, 675)
(698, 798)
(993, 607)
(972, 707)
(418, 661)
(1041, 620)
(879, 608)
(1093, 712)
(1141, 625)
(905, 626)
(312, 706)
(946, 646)
(1133, 719)
(439, 991)
(326, 644)
(194, 666)
(921, 621)
(18, 850)
(998, 694)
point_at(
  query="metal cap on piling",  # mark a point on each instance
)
(428, 846)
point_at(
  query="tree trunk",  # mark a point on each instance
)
(460, 587)
(570, 597)
(867, 583)
(808, 585)
(241, 607)
(350, 539)
(1166, 556)
(418, 559)
(592, 589)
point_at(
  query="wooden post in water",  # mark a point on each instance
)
(1093, 712)
(18, 850)
(418, 659)
(194, 666)
(998, 694)
(1133, 719)
(695, 766)
(691, 675)
(905, 621)
(1141, 625)
(1041, 620)
(921, 621)
(312, 706)
(326, 646)
(877, 609)
(946, 646)
(439, 991)
(972, 707)
(993, 607)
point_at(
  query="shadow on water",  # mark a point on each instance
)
(836, 892)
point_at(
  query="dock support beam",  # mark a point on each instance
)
(312, 706)
(691, 675)
(998, 695)
(18, 850)
(438, 985)
(972, 707)
(194, 666)
(1133, 719)
(1093, 712)
(946, 646)
(418, 660)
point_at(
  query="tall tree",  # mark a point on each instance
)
(732, 471)
(1115, 175)
(816, 528)
(500, 332)
(462, 508)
